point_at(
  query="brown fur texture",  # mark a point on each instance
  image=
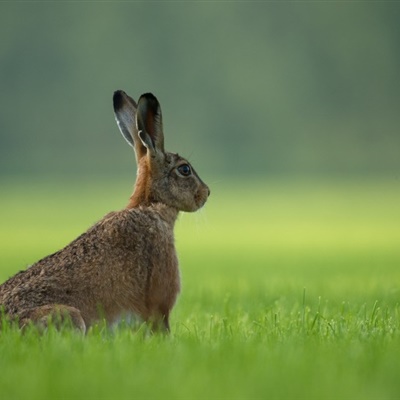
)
(126, 263)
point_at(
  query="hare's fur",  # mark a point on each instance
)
(126, 263)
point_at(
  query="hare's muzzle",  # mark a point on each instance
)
(202, 196)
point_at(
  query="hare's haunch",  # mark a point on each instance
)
(126, 263)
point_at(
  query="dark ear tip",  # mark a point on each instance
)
(118, 99)
(148, 95)
(150, 99)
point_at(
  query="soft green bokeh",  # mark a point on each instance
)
(308, 88)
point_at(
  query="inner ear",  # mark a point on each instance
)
(147, 141)
(149, 120)
(125, 110)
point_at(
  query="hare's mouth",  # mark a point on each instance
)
(201, 197)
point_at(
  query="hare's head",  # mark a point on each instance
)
(162, 177)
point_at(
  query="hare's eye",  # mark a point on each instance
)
(184, 169)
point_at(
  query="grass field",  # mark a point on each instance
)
(290, 290)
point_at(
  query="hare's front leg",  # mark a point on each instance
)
(159, 322)
(57, 314)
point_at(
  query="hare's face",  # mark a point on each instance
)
(176, 184)
(162, 177)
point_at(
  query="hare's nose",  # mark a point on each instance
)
(209, 191)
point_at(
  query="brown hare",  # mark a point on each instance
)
(126, 263)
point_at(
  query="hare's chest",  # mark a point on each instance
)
(163, 268)
(159, 246)
(164, 278)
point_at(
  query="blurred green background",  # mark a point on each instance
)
(290, 112)
(247, 90)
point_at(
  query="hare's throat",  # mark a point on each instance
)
(167, 213)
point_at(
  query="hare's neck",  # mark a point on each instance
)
(141, 195)
(143, 198)
(167, 213)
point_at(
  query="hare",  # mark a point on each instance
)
(126, 264)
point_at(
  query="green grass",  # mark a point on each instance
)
(290, 290)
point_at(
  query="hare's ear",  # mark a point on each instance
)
(125, 110)
(149, 124)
